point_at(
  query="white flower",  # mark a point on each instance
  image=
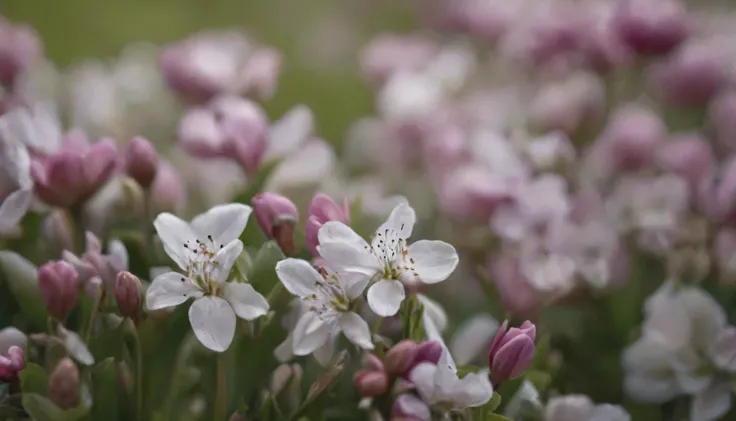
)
(36, 127)
(387, 258)
(15, 175)
(206, 250)
(439, 385)
(329, 298)
(582, 408)
(471, 339)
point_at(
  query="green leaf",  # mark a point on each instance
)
(484, 412)
(541, 352)
(21, 277)
(256, 184)
(33, 379)
(104, 390)
(464, 370)
(540, 379)
(494, 403)
(497, 417)
(42, 409)
(262, 275)
(108, 343)
(322, 384)
(413, 326)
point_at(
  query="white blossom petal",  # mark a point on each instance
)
(213, 322)
(246, 302)
(338, 232)
(385, 297)
(401, 220)
(290, 132)
(711, 404)
(354, 283)
(118, 254)
(225, 259)
(423, 377)
(285, 351)
(309, 334)
(174, 234)
(472, 390)
(13, 208)
(224, 223)
(170, 289)
(434, 261)
(651, 389)
(345, 257)
(311, 164)
(434, 311)
(298, 276)
(473, 338)
(356, 330)
(324, 354)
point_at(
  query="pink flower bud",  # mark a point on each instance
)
(690, 77)
(261, 73)
(427, 352)
(632, 136)
(12, 364)
(59, 284)
(321, 210)
(722, 119)
(370, 383)
(167, 190)
(277, 215)
(128, 294)
(72, 175)
(372, 363)
(20, 47)
(569, 104)
(511, 352)
(388, 54)
(517, 295)
(64, 384)
(141, 161)
(409, 407)
(687, 155)
(400, 357)
(651, 27)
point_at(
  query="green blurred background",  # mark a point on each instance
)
(320, 39)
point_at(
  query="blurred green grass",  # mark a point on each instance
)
(76, 29)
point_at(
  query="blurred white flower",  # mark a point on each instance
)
(37, 127)
(16, 186)
(206, 250)
(387, 259)
(328, 298)
(472, 339)
(582, 408)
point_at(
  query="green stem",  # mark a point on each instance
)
(221, 391)
(78, 232)
(135, 344)
(93, 314)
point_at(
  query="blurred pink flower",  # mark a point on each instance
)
(20, 47)
(388, 54)
(688, 155)
(516, 294)
(631, 137)
(651, 26)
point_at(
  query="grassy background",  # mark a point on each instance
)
(319, 38)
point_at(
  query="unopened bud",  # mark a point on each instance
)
(370, 383)
(373, 363)
(58, 282)
(277, 215)
(427, 352)
(128, 294)
(409, 407)
(167, 190)
(12, 364)
(64, 384)
(651, 26)
(141, 161)
(512, 351)
(321, 210)
(399, 358)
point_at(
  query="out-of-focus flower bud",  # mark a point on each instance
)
(277, 216)
(59, 284)
(370, 383)
(12, 364)
(20, 46)
(408, 407)
(141, 161)
(690, 77)
(427, 352)
(604, 50)
(400, 357)
(57, 229)
(511, 352)
(445, 150)
(717, 193)
(651, 26)
(321, 210)
(64, 384)
(517, 295)
(11, 336)
(167, 190)
(567, 105)
(472, 192)
(373, 363)
(261, 73)
(722, 119)
(128, 294)
(388, 54)
(632, 136)
(72, 175)
(687, 155)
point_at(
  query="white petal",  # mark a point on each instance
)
(337, 232)
(285, 351)
(224, 223)
(118, 254)
(423, 377)
(473, 390)
(13, 208)
(434, 261)
(225, 259)
(247, 303)
(654, 389)
(168, 290)
(608, 412)
(356, 329)
(174, 234)
(308, 166)
(298, 276)
(711, 404)
(324, 354)
(213, 322)
(354, 284)
(434, 311)
(401, 220)
(309, 334)
(472, 338)
(290, 132)
(385, 297)
(345, 257)
(433, 334)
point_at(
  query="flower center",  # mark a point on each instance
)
(392, 252)
(202, 264)
(330, 297)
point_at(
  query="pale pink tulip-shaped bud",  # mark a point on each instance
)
(141, 161)
(20, 47)
(651, 27)
(323, 209)
(427, 352)
(724, 251)
(167, 190)
(370, 383)
(64, 384)
(277, 216)
(200, 135)
(511, 352)
(691, 76)
(261, 73)
(400, 357)
(12, 364)
(517, 295)
(59, 284)
(687, 155)
(128, 294)
(245, 127)
(71, 176)
(388, 54)
(717, 192)
(722, 118)
(408, 407)
(632, 137)
(567, 105)
(372, 363)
